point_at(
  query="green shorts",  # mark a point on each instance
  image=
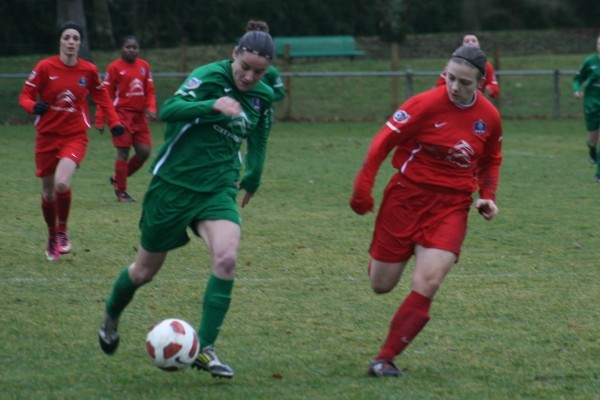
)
(168, 211)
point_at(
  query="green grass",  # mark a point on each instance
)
(517, 318)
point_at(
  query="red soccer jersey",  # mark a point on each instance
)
(440, 144)
(130, 86)
(66, 89)
(488, 81)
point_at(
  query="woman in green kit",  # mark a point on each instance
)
(196, 179)
(588, 75)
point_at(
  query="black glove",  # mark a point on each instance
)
(117, 130)
(40, 107)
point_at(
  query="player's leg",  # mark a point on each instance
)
(62, 183)
(222, 238)
(119, 179)
(142, 144)
(146, 266)
(48, 199)
(431, 266)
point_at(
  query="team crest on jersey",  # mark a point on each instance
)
(82, 81)
(479, 127)
(32, 75)
(143, 71)
(256, 103)
(401, 116)
(193, 83)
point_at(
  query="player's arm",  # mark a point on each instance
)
(150, 92)
(192, 100)
(386, 139)
(580, 77)
(492, 88)
(31, 88)
(102, 99)
(110, 83)
(255, 155)
(488, 167)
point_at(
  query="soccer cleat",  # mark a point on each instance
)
(384, 368)
(64, 243)
(114, 184)
(52, 252)
(207, 360)
(108, 335)
(124, 197)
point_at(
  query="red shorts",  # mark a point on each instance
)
(411, 214)
(136, 129)
(51, 147)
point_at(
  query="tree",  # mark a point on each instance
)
(72, 10)
(103, 26)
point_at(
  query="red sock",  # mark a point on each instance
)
(49, 213)
(133, 165)
(410, 318)
(63, 205)
(121, 175)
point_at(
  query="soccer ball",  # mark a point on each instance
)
(172, 344)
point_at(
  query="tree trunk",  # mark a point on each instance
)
(103, 25)
(72, 10)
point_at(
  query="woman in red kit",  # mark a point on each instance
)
(489, 83)
(447, 145)
(56, 91)
(129, 83)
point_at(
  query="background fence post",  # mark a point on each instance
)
(556, 94)
(287, 114)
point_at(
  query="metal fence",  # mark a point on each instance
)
(373, 95)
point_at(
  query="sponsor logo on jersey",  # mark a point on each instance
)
(401, 116)
(82, 81)
(136, 88)
(256, 103)
(461, 154)
(193, 83)
(65, 101)
(479, 127)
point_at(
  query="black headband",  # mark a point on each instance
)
(470, 62)
(71, 25)
(258, 53)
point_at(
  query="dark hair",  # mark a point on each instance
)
(70, 25)
(128, 37)
(472, 56)
(257, 42)
(253, 25)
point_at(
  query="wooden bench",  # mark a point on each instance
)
(317, 46)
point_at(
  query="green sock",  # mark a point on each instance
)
(122, 293)
(214, 308)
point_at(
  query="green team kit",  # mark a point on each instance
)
(197, 169)
(589, 75)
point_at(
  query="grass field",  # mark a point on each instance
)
(517, 318)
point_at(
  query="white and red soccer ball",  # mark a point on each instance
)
(172, 344)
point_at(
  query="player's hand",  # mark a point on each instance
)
(151, 115)
(117, 130)
(361, 204)
(246, 199)
(227, 105)
(487, 208)
(40, 107)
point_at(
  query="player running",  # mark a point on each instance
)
(447, 145)
(196, 171)
(129, 83)
(56, 91)
(588, 76)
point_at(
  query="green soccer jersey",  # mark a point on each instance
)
(273, 79)
(202, 148)
(588, 75)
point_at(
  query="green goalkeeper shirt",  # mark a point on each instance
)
(202, 148)
(588, 75)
